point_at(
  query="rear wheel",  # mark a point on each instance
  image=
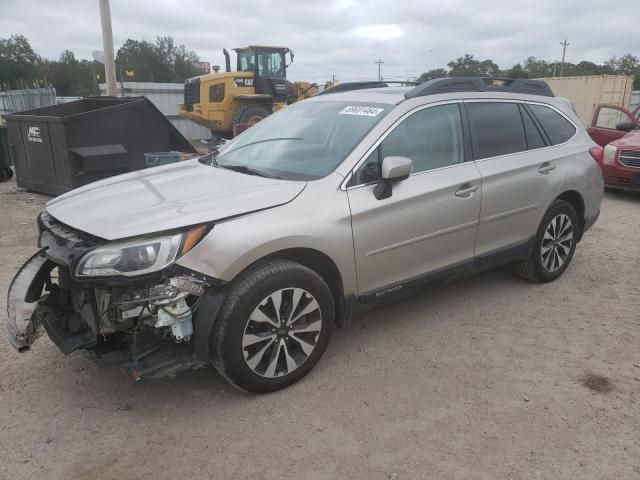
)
(555, 244)
(274, 327)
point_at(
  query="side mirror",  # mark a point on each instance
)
(625, 126)
(394, 169)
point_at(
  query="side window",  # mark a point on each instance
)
(534, 137)
(497, 128)
(557, 128)
(431, 138)
(216, 93)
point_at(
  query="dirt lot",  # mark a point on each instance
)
(486, 378)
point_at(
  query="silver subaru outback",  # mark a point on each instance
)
(245, 259)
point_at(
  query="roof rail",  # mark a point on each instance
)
(481, 84)
(349, 86)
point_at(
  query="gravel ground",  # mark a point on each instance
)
(486, 378)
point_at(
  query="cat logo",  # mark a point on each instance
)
(33, 134)
(244, 82)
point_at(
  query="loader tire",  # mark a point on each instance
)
(251, 114)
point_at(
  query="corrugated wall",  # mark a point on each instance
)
(166, 97)
(588, 91)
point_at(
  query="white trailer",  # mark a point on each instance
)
(588, 91)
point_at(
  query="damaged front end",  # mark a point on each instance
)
(142, 322)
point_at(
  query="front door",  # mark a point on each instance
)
(429, 223)
(605, 120)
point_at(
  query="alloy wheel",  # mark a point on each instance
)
(557, 242)
(282, 332)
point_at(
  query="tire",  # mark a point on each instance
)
(284, 355)
(551, 256)
(3, 175)
(613, 190)
(9, 173)
(251, 114)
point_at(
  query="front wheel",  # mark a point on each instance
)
(250, 114)
(274, 326)
(554, 245)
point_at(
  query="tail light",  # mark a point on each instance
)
(597, 153)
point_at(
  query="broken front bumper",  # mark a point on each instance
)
(147, 325)
(23, 325)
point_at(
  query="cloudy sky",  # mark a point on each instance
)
(341, 37)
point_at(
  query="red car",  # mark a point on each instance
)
(618, 130)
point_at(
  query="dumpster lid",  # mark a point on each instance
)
(94, 106)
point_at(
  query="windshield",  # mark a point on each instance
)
(271, 64)
(304, 141)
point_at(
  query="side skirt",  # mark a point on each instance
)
(488, 261)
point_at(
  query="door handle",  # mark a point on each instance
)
(546, 168)
(466, 190)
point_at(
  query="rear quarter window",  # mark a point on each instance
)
(557, 128)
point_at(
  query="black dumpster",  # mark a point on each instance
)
(62, 147)
(5, 156)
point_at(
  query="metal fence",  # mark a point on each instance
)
(166, 97)
(18, 100)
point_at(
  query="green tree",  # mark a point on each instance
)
(184, 63)
(468, 66)
(71, 77)
(141, 57)
(627, 64)
(19, 64)
(587, 68)
(517, 71)
(535, 68)
(431, 74)
(162, 61)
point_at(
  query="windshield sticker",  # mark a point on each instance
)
(363, 111)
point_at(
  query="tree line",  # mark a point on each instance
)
(164, 61)
(136, 61)
(532, 67)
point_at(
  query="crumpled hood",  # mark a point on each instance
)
(168, 197)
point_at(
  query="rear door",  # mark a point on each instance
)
(430, 221)
(519, 174)
(605, 119)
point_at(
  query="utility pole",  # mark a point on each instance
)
(564, 44)
(379, 62)
(107, 45)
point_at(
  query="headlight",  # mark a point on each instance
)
(138, 257)
(609, 154)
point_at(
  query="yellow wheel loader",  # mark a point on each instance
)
(225, 102)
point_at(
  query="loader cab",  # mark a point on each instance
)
(268, 64)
